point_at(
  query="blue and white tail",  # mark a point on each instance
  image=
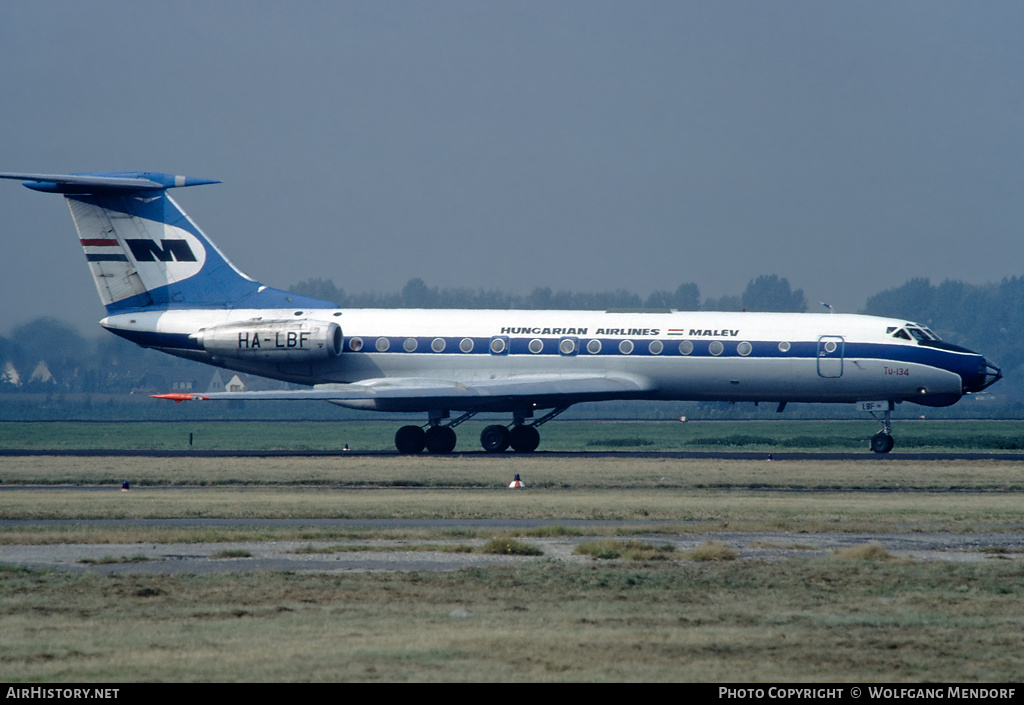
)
(145, 252)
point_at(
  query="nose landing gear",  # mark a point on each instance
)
(882, 441)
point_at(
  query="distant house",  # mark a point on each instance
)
(10, 375)
(42, 374)
(235, 384)
(216, 383)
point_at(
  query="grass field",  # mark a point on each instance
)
(625, 610)
(747, 495)
(731, 621)
(775, 435)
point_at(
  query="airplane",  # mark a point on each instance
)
(166, 286)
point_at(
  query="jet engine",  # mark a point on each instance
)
(283, 341)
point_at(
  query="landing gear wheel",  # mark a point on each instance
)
(524, 439)
(882, 443)
(410, 440)
(495, 439)
(440, 440)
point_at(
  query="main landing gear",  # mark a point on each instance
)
(882, 441)
(438, 438)
(521, 438)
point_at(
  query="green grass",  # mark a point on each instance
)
(773, 435)
(631, 549)
(689, 495)
(865, 552)
(541, 474)
(718, 621)
(712, 551)
(508, 546)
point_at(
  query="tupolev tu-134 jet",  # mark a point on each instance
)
(166, 286)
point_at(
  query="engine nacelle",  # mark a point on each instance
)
(286, 341)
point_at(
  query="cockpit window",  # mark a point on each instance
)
(921, 335)
(918, 333)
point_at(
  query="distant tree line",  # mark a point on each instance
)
(48, 355)
(766, 293)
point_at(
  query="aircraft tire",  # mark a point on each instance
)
(495, 439)
(524, 439)
(440, 440)
(410, 440)
(882, 443)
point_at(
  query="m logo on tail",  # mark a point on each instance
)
(164, 251)
(143, 250)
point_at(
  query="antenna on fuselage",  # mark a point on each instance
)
(828, 306)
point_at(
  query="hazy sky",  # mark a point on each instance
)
(847, 146)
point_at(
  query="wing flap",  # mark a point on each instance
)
(414, 393)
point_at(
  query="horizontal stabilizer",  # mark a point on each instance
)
(105, 181)
(178, 397)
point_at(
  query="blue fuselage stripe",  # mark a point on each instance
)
(962, 363)
(642, 348)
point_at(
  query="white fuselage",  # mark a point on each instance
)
(673, 355)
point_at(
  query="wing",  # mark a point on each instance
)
(422, 394)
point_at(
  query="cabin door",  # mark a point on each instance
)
(830, 356)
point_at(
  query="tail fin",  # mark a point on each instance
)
(144, 251)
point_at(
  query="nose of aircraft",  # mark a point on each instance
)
(976, 373)
(985, 376)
